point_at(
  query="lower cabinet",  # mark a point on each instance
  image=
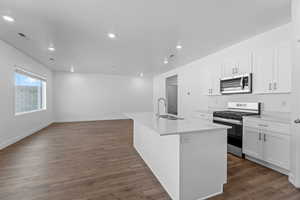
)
(263, 143)
(252, 145)
(276, 149)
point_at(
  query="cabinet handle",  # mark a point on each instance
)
(265, 137)
(232, 70)
(270, 86)
(259, 138)
(275, 86)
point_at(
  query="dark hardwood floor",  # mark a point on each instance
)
(96, 161)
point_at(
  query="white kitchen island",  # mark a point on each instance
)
(188, 157)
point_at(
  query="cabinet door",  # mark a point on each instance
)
(208, 80)
(263, 69)
(215, 77)
(283, 66)
(277, 149)
(228, 68)
(244, 64)
(252, 142)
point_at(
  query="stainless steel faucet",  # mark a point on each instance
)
(158, 105)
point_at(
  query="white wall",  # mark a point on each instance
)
(81, 97)
(194, 77)
(295, 137)
(14, 128)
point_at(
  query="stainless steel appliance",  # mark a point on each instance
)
(233, 117)
(237, 84)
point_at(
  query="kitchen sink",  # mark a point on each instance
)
(170, 117)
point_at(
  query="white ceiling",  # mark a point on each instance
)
(147, 30)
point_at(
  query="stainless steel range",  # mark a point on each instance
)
(233, 117)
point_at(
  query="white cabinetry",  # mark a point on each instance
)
(268, 142)
(237, 65)
(229, 68)
(214, 80)
(252, 142)
(276, 149)
(272, 69)
(263, 64)
(282, 80)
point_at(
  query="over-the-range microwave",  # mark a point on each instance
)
(236, 85)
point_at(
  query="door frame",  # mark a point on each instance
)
(166, 91)
(294, 176)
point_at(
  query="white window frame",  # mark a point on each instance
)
(44, 93)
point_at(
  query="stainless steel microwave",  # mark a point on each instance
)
(236, 85)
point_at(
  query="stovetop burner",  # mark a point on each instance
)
(232, 114)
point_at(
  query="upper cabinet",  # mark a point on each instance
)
(229, 68)
(283, 66)
(214, 80)
(237, 65)
(272, 70)
(263, 70)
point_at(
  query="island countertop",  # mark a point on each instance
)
(173, 127)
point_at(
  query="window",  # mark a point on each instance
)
(30, 92)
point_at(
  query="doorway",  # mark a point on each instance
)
(172, 94)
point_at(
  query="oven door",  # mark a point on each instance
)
(235, 134)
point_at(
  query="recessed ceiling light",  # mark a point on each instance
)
(141, 74)
(179, 46)
(111, 35)
(51, 48)
(72, 69)
(8, 18)
(166, 61)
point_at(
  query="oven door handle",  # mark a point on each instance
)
(232, 121)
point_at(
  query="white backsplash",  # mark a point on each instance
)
(270, 102)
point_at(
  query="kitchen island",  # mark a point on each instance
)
(188, 157)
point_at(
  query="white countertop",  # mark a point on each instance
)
(172, 127)
(280, 117)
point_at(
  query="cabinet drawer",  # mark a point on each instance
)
(276, 127)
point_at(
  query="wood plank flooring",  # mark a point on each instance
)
(96, 161)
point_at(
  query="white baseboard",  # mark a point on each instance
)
(268, 165)
(212, 195)
(105, 117)
(24, 135)
(292, 180)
